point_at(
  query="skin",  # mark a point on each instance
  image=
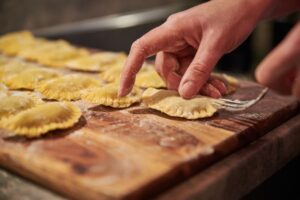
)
(190, 43)
(280, 70)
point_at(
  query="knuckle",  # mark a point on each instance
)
(198, 69)
(139, 46)
(175, 18)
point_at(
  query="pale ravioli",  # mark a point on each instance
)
(3, 90)
(13, 43)
(10, 105)
(42, 119)
(96, 62)
(170, 103)
(149, 78)
(13, 67)
(58, 53)
(113, 73)
(108, 96)
(67, 87)
(29, 78)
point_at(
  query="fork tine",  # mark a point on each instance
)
(237, 105)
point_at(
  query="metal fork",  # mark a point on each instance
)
(238, 105)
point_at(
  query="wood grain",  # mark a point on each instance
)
(137, 152)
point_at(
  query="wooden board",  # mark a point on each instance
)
(137, 152)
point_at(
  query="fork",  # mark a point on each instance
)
(238, 105)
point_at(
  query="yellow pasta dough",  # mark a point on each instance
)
(67, 87)
(13, 67)
(13, 43)
(10, 105)
(43, 118)
(58, 53)
(108, 95)
(96, 62)
(113, 73)
(3, 90)
(29, 78)
(149, 78)
(170, 103)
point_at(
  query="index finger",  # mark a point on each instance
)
(148, 45)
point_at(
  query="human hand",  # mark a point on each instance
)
(280, 70)
(191, 42)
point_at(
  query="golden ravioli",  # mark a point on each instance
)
(58, 53)
(108, 96)
(13, 67)
(172, 104)
(3, 91)
(149, 78)
(96, 62)
(13, 43)
(3, 60)
(113, 73)
(29, 78)
(67, 87)
(231, 83)
(43, 118)
(10, 105)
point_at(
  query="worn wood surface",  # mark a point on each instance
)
(136, 153)
(239, 173)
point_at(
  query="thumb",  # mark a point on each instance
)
(199, 70)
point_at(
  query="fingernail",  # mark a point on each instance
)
(188, 90)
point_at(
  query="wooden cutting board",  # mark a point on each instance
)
(137, 152)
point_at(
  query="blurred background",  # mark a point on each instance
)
(115, 24)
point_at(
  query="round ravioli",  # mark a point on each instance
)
(13, 43)
(108, 95)
(113, 73)
(67, 87)
(3, 90)
(58, 53)
(11, 105)
(96, 62)
(149, 78)
(170, 103)
(43, 118)
(13, 67)
(29, 78)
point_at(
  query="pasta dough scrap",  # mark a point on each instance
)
(108, 96)
(42, 119)
(67, 87)
(10, 105)
(96, 62)
(170, 103)
(149, 78)
(231, 83)
(29, 78)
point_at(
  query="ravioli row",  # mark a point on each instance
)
(55, 84)
(24, 114)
